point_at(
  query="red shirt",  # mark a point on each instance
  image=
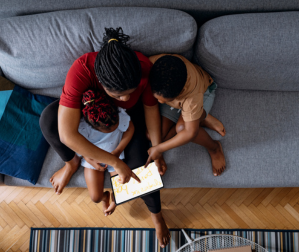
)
(81, 77)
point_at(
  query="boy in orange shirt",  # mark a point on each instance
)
(186, 93)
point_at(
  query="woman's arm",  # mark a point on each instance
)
(153, 124)
(126, 138)
(68, 123)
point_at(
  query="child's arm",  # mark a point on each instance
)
(186, 135)
(127, 136)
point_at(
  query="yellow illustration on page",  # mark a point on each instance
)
(150, 180)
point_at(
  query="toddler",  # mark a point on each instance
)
(109, 128)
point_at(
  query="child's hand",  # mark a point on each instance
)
(97, 166)
(153, 153)
(101, 167)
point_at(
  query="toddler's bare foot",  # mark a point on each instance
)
(108, 209)
(218, 160)
(214, 124)
(105, 200)
(162, 231)
(61, 178)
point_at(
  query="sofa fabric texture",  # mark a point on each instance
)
(37, 51)
(261, 146)
(201, 10)
(251, 51)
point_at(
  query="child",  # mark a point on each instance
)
(109, 128)
(186, 93)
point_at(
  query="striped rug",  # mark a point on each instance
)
(144, 240)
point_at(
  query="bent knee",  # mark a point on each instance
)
(179, 127)
(48, 119)
(96, 197)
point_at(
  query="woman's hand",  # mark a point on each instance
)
(161, 164)
(153, 124)
(96, 165)
(156, 154)
(123, 176)
(125, 173)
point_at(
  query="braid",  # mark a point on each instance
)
(99, 110)
(117, 65)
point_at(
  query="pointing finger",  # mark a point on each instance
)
(121, 180)
(148, 161)
(134, 176)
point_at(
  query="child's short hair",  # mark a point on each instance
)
(99, 110)
(168, 76)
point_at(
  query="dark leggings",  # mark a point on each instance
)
(135, 152)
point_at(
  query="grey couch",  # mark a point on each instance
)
(201, 10)
(252, 57)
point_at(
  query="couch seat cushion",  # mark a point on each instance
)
(261, 146)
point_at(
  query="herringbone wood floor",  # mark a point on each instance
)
(22, 208)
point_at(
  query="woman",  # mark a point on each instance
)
(123, 75)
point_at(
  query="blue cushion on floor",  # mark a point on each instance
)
(22, 145)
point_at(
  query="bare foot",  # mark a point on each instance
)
(61, 178)
(214, 124)
(162, 231)
(218, 160)
(105, 200)
(108, 209)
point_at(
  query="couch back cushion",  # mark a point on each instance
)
(251, 51)
(201, 10)
(37, 51)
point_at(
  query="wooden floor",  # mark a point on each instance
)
(22, 208)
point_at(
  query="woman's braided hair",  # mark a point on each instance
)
(117, 65)
(99, 110)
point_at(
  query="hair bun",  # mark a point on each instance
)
(88, 97)
(115, 34)
(99, 109)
